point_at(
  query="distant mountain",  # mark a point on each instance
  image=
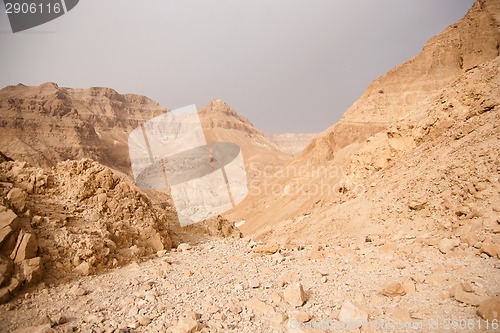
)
(47, 124)
(293, 143)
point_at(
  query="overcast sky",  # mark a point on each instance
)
(287, 65)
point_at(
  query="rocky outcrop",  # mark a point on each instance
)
(47, 124)
(76, 218)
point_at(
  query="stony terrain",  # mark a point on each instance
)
(233, 285)
(390, 217)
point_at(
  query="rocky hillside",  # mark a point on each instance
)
(462, 46)
(77, 218)
(344, 158)
(221, 123)
(45, 124)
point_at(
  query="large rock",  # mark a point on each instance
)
(489, 309)
(394, 289)
(17, 198)
(185, 325)
(468, 298)
(352, 316)
(294, 295)
(6, 269)
(446, 245)
(7, 219)
(26, 247)
(257, 306)
(31, 271)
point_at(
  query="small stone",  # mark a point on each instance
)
(352, 316)
(185, 325)
(394, 289)
(184, 247)
(493, 250)
(192, 315)
(144, 321)
(446, 245)
(294, 294)
(278, 318)
(468, 298)
(266, 249)
(84, 268)
(234, 308)
(253, 283)
(257, 306)
(417, 204)
(301, 316)
(489, 309)
(78, 291)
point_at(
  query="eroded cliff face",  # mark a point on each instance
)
(462, 46)
(46, 124)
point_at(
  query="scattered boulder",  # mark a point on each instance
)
(257, 306)
(184, 247)
(26, 247)
(294, 295)
(493, 250)
(446, 245)
(7, 219)
(393, 289)
(17, 199)
(31, 271)
(352, 316)
(266, 249)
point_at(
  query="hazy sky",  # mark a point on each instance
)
(287, 65)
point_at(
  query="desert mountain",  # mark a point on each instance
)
(221, 123)
(46, 124)
(293, 143)
(462, 46)
(388, 221)
(369, 138)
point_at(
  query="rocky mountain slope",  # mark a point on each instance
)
(462, 46)
(221, 123)
(77, 218)
(343, 159)
(46, 124)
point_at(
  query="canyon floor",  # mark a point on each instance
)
(238, 285)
